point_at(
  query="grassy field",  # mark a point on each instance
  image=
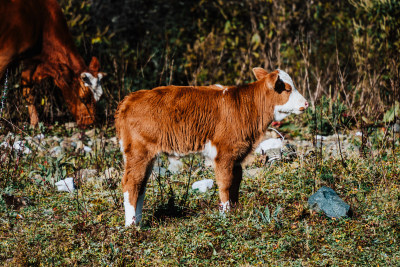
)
(272, 225)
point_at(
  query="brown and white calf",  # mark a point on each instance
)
(225, 124)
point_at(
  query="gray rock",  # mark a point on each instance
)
(110, 173)
(175, 165)
(113, 140)
(326, 200)
(79, 146)
(253, 173)
(87, 173)
(396, 127)
(67, 144)
(76, 136)
(56, 151)
(159, 171)
(70, 125)
(91, 133)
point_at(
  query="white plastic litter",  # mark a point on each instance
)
(175, 165)
(66, 185)
(358, 133)
(203, 185)
(273, 143)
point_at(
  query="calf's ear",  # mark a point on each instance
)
(94, 65)
(260, 73)
(275, 83)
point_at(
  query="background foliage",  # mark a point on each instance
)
(343, 56)
(348, 49)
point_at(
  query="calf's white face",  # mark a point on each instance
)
(296, 103)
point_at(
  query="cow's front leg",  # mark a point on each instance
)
(29, 98)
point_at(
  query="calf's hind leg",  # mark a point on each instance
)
(138, 168)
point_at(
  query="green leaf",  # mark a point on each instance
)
(228, 26)
(256, 40)
(392, 113)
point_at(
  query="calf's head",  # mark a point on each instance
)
(89, 92)
(285, 97)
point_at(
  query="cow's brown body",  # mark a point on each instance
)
(36, 33)
(179, 120)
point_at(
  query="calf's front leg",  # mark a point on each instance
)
(228, 174)
(137, 172)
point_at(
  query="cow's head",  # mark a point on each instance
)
(285, 98)
(89, 93)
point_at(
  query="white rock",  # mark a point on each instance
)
(203, 185)
(66, 185)
(175, 165)
(273, 143)
(4, 145)
(320, 137)
(87, 149)
(20, 146)
(39, 136)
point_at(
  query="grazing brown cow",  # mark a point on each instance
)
(36, 33)
(225, 123)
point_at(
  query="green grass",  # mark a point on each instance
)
(87, 227)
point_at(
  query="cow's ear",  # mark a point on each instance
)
(94, 65)
(101, 75)
(260, 73)
(274, 82)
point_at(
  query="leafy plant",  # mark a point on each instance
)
(392, 113)
(265, 216)
(327, 116)
(52, 170)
